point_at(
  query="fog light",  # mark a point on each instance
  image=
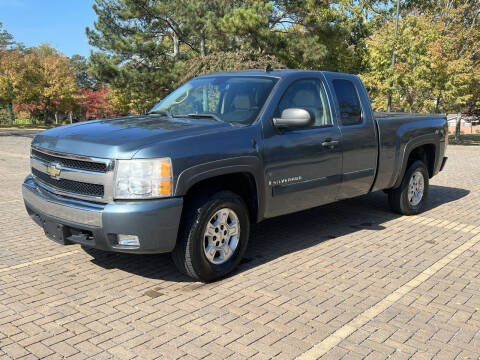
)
(128, 240)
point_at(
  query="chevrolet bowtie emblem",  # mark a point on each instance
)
(53, 170)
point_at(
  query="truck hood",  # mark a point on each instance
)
(121, 138)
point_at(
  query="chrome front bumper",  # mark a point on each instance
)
(97, 225)
(74, 211)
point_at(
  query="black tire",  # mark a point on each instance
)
(398, 198)
(189, 255)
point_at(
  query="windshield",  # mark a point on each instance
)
(233, 99)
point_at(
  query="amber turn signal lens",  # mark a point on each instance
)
(165, 170)
(165, 187)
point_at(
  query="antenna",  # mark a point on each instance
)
(268, 68)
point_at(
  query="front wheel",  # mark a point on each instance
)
(213, 236)
(410, 197)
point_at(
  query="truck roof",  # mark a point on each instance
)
(278, 73)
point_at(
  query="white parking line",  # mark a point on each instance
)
(38, 261)
(346, 330)
(10, 201)
(3, 153)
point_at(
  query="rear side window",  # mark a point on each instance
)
(350, 107)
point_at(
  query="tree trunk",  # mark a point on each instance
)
(203, 49)
(56, 117)
(176, 46)
(457, 127)
(45, 117)
(437, 103)
(11, 114)
(70, 117)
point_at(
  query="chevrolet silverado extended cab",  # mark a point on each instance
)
(223, 151)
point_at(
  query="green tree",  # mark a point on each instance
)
(12, 72)
(431, 73)
(6, 39)
(136, 55)
(55, 88)
(79, 65)
(145, 46)
(228, 61)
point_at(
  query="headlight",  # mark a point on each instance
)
(143, 178)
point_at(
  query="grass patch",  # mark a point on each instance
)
(465, 139)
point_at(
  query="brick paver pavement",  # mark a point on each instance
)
(348, 280)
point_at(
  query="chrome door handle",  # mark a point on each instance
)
(330, 143)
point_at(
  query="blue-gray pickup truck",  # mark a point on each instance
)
(221, 152)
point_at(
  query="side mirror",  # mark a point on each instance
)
(294, 118)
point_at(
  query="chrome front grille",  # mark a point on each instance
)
(76, 187)
(70, 163)
(74, 176)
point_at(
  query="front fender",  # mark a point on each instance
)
(241, 164)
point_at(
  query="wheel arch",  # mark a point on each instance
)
(241, 175)
(425, 149)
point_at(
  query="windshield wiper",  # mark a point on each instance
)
(160, 112)
(201, 116)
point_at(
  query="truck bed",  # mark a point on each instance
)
(396, 131)
(391, 114)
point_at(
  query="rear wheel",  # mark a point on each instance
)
(213, 236)
(410, 197)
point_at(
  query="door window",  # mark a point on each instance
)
(308, 94)
(348, 101)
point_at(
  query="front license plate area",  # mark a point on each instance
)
(56, 232)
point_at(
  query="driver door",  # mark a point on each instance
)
(303, 167)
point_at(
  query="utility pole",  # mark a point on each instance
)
(389, 103)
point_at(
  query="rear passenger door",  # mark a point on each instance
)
(359, 134)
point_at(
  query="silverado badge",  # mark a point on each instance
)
(53, 170)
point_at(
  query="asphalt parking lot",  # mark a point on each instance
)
(348, 280)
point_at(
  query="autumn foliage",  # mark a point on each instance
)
(437, 65)
(95, 104)
(145, 49)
